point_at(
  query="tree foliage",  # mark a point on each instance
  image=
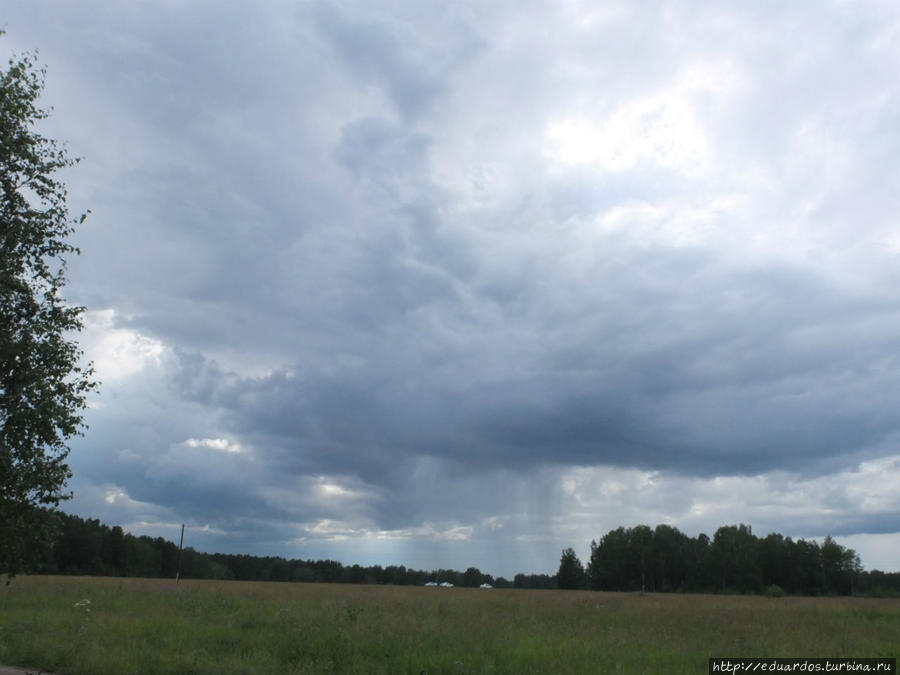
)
(673, 562)
(43, 388)
(571, 572)
(733, 561)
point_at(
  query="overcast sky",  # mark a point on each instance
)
(464, 283)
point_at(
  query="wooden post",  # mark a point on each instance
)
(643, 585)
(180, 546)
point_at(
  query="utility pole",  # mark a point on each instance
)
(180, 546)
(643, 585)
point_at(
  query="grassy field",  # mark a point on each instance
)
(97, 626)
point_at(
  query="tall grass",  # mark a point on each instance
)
(153, 626)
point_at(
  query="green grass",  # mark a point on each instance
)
(153, 626)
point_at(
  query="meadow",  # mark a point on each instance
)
(117, 626)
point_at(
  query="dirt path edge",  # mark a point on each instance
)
(9, 670)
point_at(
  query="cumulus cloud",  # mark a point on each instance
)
(117, 352)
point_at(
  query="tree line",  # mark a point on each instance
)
(733, 561)
(625, 559)
(89, 547)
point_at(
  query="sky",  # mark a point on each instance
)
(452, 284)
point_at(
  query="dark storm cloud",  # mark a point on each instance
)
(714, 375)
(479, 275)
(411, 65)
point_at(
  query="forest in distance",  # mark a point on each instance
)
(660, 559)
